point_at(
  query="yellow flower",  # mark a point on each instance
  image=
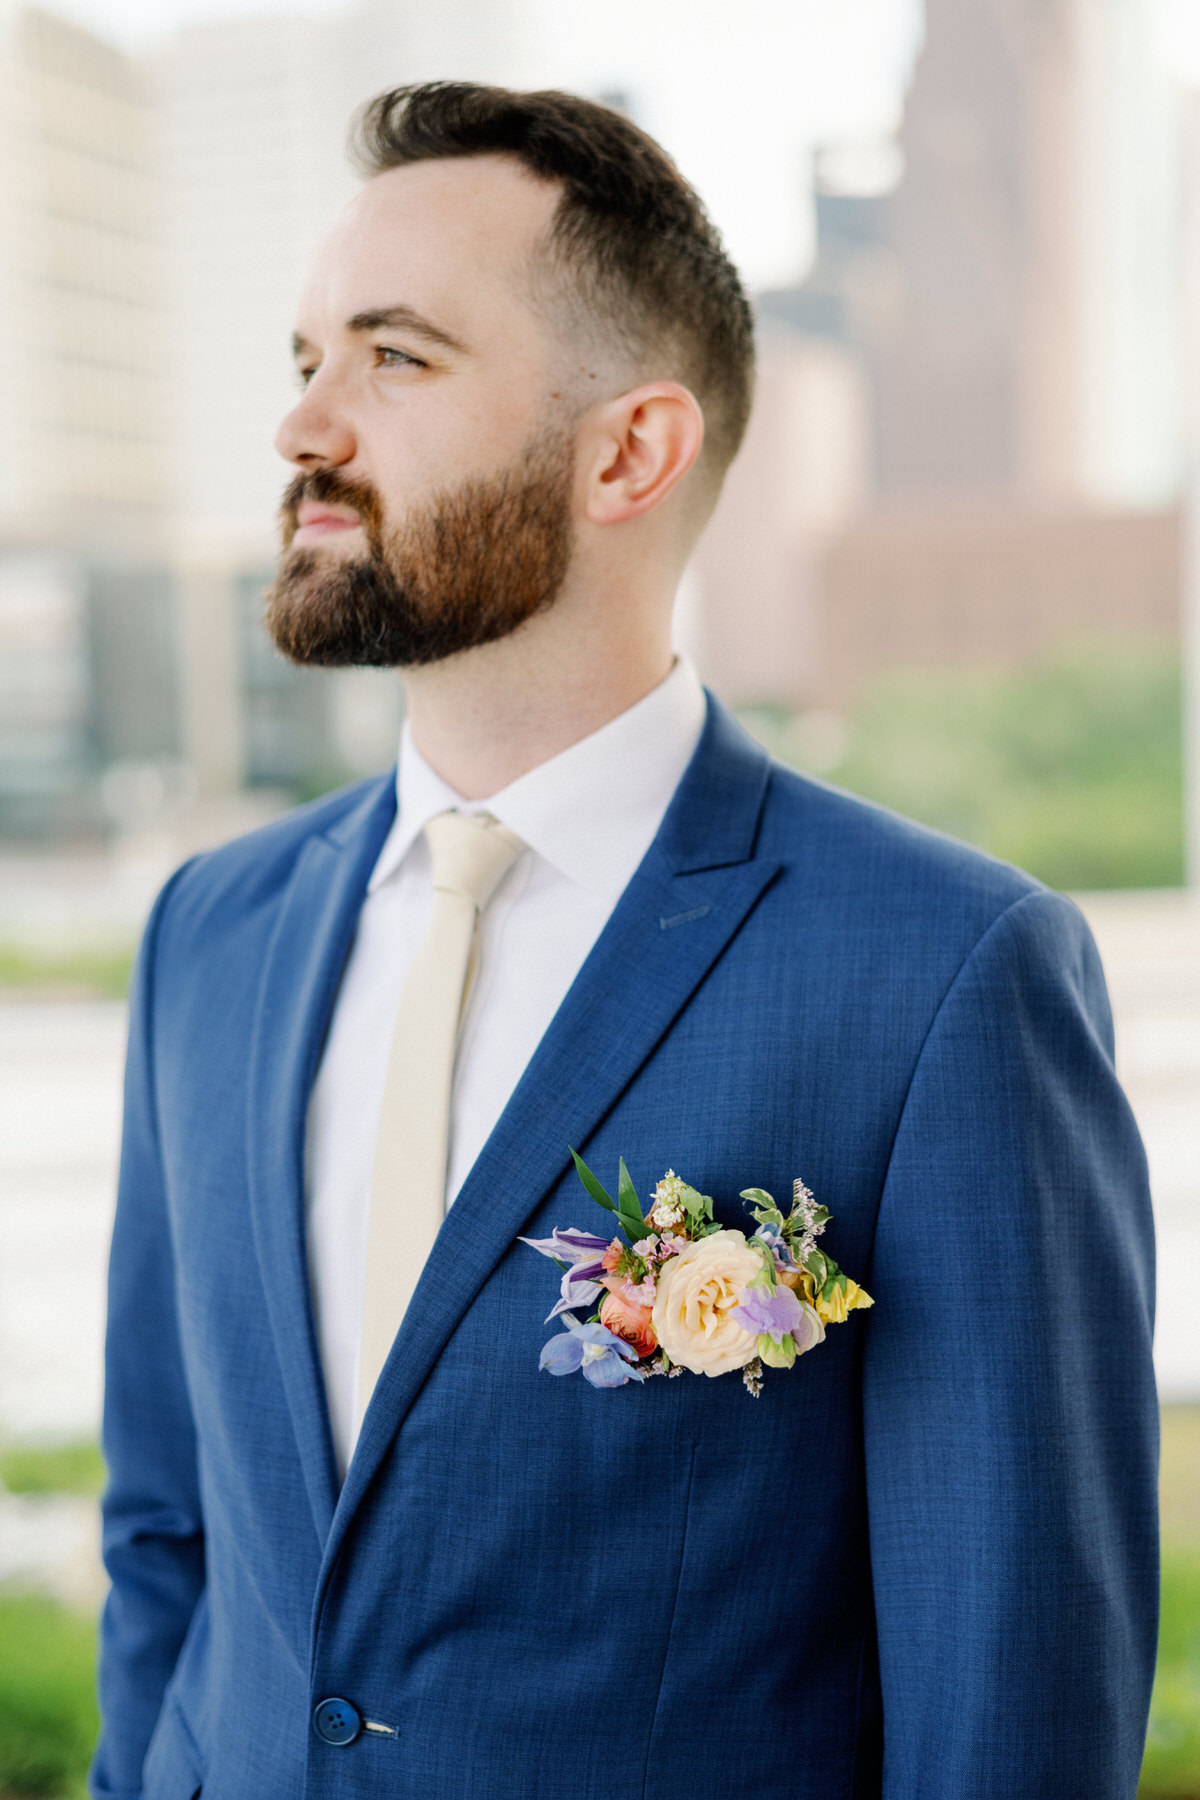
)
(697, 1292)
(842, 1302)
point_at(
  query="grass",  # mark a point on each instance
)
(48, 1712)
(88, 974)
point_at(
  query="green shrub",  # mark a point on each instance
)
(1171, 1770)
(52, 1469)
(94, 974)
(1070, 767)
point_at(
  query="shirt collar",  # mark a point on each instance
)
(592, 810)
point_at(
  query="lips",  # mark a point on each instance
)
(316, 521)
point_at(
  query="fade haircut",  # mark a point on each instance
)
(631, 247)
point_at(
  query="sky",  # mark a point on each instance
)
(1179, 38)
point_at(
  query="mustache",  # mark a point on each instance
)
(327, 487)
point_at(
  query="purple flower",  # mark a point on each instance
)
(579, 1288)
(604, 1358)
(767, 1314)
(639, 1293)
(583, 1253)
(569, 1245)
(777, 1244)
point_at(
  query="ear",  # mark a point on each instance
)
(641, 444)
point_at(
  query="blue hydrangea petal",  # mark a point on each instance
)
(562, 1355)
(607, 1372)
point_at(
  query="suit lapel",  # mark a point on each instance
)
(690, 895)
(316, 922)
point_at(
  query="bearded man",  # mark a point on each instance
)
(361, 1543)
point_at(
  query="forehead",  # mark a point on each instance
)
(453, 239)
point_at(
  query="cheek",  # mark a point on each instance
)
(425, 440)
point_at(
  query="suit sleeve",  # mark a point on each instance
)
(1009, 1408)
(153, 1532)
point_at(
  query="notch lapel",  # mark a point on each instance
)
(304, 961)
(692, 892)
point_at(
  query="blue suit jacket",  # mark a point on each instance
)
(922, 1564)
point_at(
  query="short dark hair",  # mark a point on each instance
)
(632, 236)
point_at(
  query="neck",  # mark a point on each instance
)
(488, 716)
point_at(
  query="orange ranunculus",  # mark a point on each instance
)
(625, 1319)
(613, 1254)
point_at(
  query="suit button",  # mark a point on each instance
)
(337, 1722)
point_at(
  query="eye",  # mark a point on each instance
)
(302, 377)
(392, 358)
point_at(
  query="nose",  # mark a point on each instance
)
(316, 433)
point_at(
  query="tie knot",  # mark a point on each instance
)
(471, 854)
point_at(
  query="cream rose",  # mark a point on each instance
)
(697, 1292)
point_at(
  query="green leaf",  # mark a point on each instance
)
(766, 1275)
(696, 1205)
(818, 1266)
(629, 1207)
(762, 1205)
(833, 1282)
(599, 1195)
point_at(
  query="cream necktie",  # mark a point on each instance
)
(471, 854)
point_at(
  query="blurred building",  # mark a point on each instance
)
(1012, 304)
(1190, 285)
(155, 223)
(254, 117)
(1028, 341)
(86, 651)
(976, 585)
(800, 480)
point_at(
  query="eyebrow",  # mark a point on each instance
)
(392, 318)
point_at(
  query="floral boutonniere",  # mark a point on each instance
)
(681, 1292)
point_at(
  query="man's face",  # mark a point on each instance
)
(431, 510)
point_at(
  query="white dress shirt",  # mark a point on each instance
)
(588, 816)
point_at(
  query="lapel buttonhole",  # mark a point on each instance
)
(684, 918)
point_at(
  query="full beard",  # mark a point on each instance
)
(469, 569)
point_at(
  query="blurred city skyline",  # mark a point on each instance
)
(792, 73)
(965, 227)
